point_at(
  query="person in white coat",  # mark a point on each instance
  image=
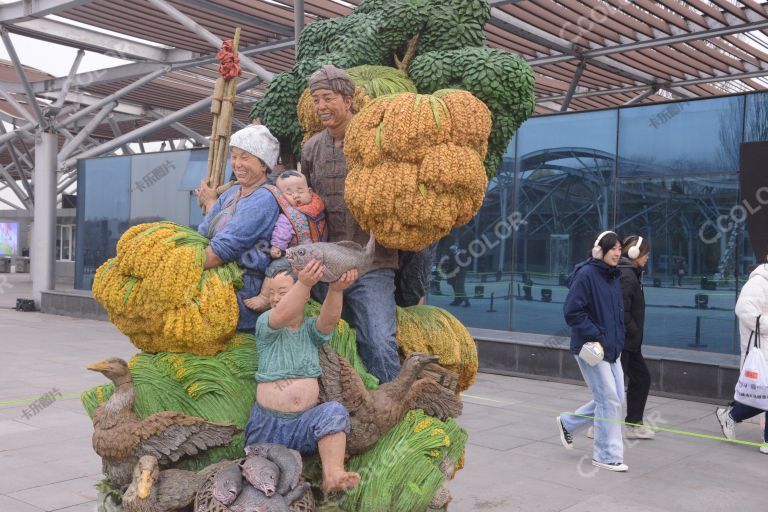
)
(751, 306)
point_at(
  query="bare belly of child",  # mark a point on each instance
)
(288, 395)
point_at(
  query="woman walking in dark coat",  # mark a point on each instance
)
(594, 310)
(634, 256)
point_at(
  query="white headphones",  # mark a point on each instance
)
(634, 251)
(597, 252)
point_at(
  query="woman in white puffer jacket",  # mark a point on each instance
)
(751, 306)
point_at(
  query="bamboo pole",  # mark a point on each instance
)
(223, 109)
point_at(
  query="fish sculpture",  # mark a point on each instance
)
(287, 460)
(253, 500)
(228, 483)
(336, 257)
(261, 473)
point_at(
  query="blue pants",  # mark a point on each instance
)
(741, 412)
(369, 307)
(606, 381)
(252, 282)
(298, 431)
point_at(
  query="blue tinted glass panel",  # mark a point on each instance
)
(104, 199)
(691, 137)
(756, 122)
(592, 130)
(472, 275)
(564, 196)
(696, 250)
(157, 188)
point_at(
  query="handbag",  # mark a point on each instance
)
(752, 386)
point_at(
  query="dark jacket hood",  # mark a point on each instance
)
(608, 270)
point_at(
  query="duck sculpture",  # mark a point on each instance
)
(153, 490)
(121, 438)
(421, 384)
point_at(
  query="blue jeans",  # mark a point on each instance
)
(298, 431)
(606, 381)
(369, 307)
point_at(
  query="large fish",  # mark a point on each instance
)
(261, 473)
(287, 460)
(337, 257)
(227, 483)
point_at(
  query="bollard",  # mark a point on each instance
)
(698, 335)
(490, 308)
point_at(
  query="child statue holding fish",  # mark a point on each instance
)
(286, 411)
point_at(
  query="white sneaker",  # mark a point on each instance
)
(764, 448)
(632, 432)
(726, 423)
(619, 467)
(590, 432)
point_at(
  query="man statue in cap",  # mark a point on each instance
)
(369, 304)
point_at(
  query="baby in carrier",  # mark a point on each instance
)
(301, 221)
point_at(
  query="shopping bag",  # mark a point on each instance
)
(752, 386)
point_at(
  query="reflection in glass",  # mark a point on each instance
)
(692, 137)
(564, 190)
(104, 187)
(756, 118)
(473, 264)
(690, 278)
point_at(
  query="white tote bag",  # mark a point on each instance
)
(752, 387)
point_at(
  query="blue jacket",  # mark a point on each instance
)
(594, 307)
(237, 230)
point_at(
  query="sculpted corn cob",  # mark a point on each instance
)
(157, 294)
(415, 165)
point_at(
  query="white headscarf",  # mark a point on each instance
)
(258, 141)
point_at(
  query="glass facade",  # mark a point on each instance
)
(119, 192)
(668, 172)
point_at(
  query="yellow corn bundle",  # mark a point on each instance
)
(475, 126)
(157, 293)
(308, 119)
(415, 165)
(435, 331)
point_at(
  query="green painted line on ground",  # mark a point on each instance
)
(661, 429)
(29, 400)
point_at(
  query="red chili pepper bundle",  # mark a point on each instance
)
(230, 61)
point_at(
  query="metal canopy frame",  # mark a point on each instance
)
(586, 54)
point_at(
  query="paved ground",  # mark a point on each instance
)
(514, 458)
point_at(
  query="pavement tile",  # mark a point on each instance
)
(61, 494)
(514, 460)
(8, 504)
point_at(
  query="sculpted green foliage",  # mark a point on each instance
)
(449, 54)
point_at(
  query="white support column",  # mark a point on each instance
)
(42, 250)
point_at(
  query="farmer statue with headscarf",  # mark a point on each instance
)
(369, 303)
